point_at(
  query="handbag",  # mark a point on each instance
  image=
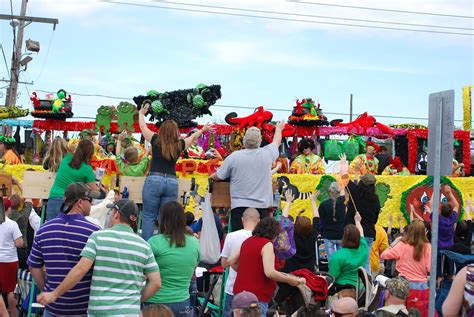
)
(209, 241)
(284, 244)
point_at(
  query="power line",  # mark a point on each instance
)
(380, 9)
(5, 60)
(282, 19)
(245, 107)
(13, 28)
(310, 15)
(46, 58)
(87, 95)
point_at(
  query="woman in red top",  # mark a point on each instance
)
(255, 264)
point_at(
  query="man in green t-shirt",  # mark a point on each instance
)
(119, 259)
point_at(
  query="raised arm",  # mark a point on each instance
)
(278, 133)
(193, 137)
(389, 227)
(357, 219)
(468, 210)
(314, 196)
(452, 199)
(289, 199)
(146, 132)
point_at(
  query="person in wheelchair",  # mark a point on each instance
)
(345, 263)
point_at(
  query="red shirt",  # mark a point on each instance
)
(251, 275)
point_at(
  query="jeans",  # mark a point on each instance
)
(54, 207)
(418, 285)
(370, 242)
(331, 246)
(181, 309)
(157, 191)
(264, 308)
(227, 309)
(193, 293)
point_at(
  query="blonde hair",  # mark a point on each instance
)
(416, 237)
(58, 149)
(168, 140)
(131, 154)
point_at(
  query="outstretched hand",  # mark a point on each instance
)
(289, 196)
(343, 165)
(314, 196)
(144, 109)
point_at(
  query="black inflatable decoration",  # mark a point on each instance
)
(182, 106)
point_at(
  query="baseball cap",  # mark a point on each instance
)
(87, 132)
(398, 287)
(244, 300)
(6, 203)
(126, 208)
(252, 138)
(368, 179)
(77, 191)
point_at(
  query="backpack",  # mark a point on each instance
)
(284, 244)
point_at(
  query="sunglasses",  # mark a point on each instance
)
(87, 198)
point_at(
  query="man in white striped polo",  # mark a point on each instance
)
(120, 259)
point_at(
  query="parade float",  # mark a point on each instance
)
(307, 120)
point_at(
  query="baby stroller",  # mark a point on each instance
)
(301, 299)
(458, 262)
(322, 263)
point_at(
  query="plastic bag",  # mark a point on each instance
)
(284, 244)
(332, 150)
(351, 148)
(209, 241)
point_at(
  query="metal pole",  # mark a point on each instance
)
(16, 55)
(435, 214)
(350, 109)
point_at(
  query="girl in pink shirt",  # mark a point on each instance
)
(412, 253)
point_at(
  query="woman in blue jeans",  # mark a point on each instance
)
(161, 184)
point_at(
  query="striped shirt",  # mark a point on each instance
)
(121, 258)
(57, 246)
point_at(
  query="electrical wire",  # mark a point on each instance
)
(380, 9)
(5, 60)
(283, 19)
(46, 58)
(244, 107)
(13, 28)
(311, 15)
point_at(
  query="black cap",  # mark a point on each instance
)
(126, 208)
(77, 191)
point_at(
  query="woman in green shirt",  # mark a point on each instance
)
(177, 255)
(345, 263)
(73, 168)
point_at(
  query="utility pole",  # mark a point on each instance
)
(15, 66)
(350, 110)
(16, 55)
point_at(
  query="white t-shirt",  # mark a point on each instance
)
(232, 243)
(250, 173)
(9, 232)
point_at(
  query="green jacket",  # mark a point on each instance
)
(135, 169)
(345, 263)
